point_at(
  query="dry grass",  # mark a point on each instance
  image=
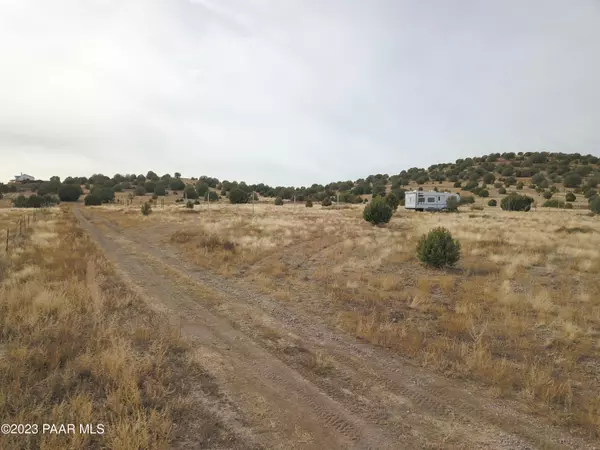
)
(520, 314)
(77, 347)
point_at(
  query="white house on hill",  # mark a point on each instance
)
(23, 177)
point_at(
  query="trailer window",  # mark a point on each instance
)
(439, 199)
(421, 199)
(431, 199)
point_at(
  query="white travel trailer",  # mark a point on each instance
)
(427, 201)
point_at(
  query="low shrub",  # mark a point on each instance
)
(146, 209)
(595, 204)
(502, 191)
(516, 202)
(467, 199)
(378, 212)
(309, 204)
(92, 200)
(35, 201)
(492, 202)
(438, 249)
(326, 201)
(570, 197)
(106, 194)
(547, 195)
(190, 193)
(392, 200)
(278, 201)
(554, 203)
(237, 196)
(69, 192)
(452, 204)
(176, 184)
(211, 196)
(568, 205)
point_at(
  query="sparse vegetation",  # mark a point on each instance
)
(509, 267)
(516, 316)
(278, 201)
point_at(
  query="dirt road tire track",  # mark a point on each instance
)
(298, 402)
(428, 395)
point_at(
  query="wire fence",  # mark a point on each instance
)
(16, 230)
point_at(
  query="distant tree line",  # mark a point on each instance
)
(577, 173)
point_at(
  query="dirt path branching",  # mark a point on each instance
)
(295, 381)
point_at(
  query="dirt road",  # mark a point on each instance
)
(295, 382)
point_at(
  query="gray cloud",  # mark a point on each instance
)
(291, 92)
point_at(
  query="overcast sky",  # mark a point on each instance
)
(291, 91)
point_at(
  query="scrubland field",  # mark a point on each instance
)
(79, 347)
(519, 314)
(251, 326)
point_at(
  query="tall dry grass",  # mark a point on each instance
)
(77, 347)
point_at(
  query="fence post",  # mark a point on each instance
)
(7, 235)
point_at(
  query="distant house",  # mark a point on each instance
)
(23, 178)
